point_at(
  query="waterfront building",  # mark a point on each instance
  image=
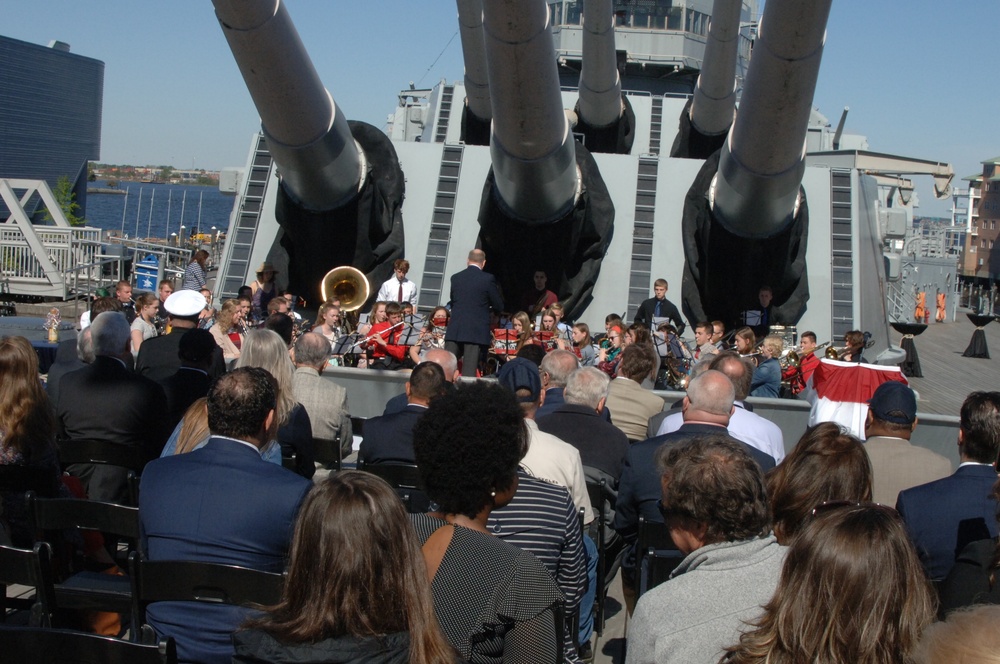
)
(50, 114)
(982, 251)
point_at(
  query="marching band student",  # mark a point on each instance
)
(386, 352)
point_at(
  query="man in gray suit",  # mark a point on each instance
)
(325, 402)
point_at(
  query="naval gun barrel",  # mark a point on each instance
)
(477, 84)
(321, 165)
(714, 100)
(757, 188)
(600, 86)
(534, 159)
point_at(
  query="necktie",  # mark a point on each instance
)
(656, 312)
(400, 292)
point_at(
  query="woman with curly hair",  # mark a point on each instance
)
(226, 329)
(852, 591)
(827, 464)
(357, 588)
(493, 600)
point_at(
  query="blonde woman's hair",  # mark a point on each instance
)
(194, 426)
(267, 350)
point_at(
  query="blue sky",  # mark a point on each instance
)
(916, 73)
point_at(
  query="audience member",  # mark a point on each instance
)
(827, 464)
(220, 504)
(532, 352)
(105, 401)
(191, 432)
(744, 425)
(969, 636)
(548, 457)
(493, 600)
(27, 433)
(265, 349)
(943, 516)
(851, 591)
(324, 401)
(706, 411)
(72, 354)
(389, 438)
(439, 356)
(374, 606)
(715, 506)
(631, 405)
(602, 446)
(555, 368)
(158, 357)
(896, 464)
(281, 324)
(191, 380)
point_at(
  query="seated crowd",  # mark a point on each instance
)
(775, 558)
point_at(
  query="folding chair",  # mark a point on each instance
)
(29, 567)
(656, 555)
(87, 589)
(188, 581)
(34, 645)
(101, 452)
(405, 479)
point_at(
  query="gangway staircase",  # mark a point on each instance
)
(50, 261)
(239, 244)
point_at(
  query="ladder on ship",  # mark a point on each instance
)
(240, 241)
(432, 282)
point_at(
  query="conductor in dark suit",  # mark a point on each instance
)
(473, 294)
(944, 515)
(221, 503)
(105, 401)
(389, 438)
(158, 357)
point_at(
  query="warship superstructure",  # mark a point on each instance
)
(607, 142)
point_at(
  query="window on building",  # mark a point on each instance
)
(983, 243)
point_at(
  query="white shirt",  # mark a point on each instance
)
(549, 458)
(389, 292)
(744, 426)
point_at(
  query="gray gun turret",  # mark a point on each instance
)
(327, 210)
(538, 211)
(707, 119)
(477, 112)
(755, 219)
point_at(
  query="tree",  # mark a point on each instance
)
(67, 202)
(166, 172)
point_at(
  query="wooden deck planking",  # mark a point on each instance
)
(948, 377)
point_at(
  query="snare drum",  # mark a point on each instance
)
(504, 343)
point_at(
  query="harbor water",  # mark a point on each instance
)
(159, 210)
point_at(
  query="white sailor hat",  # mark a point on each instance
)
(185, 303)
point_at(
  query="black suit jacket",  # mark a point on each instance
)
(182, 389)
(644, 315)
(473, 293)
(158, 358)
(389, 438)
(67, 360)
(602, 445)
(106, 401)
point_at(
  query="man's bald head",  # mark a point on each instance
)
(739, 371)
(556, 367)
(312, 350)
(444, 359)
(712, 392)
(477, 256)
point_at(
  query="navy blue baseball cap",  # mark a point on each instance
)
(521, 374)
(894, 402)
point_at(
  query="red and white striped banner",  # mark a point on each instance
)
(839, 392)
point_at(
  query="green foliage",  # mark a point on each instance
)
(67, 201)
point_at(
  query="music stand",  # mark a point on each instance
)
(661, 346)
(345, 344)
(977, 345)
(409, 338)
(657, 321)
(414, 320)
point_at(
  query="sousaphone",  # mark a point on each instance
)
(347, 284)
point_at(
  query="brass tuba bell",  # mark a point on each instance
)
(347, 284)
